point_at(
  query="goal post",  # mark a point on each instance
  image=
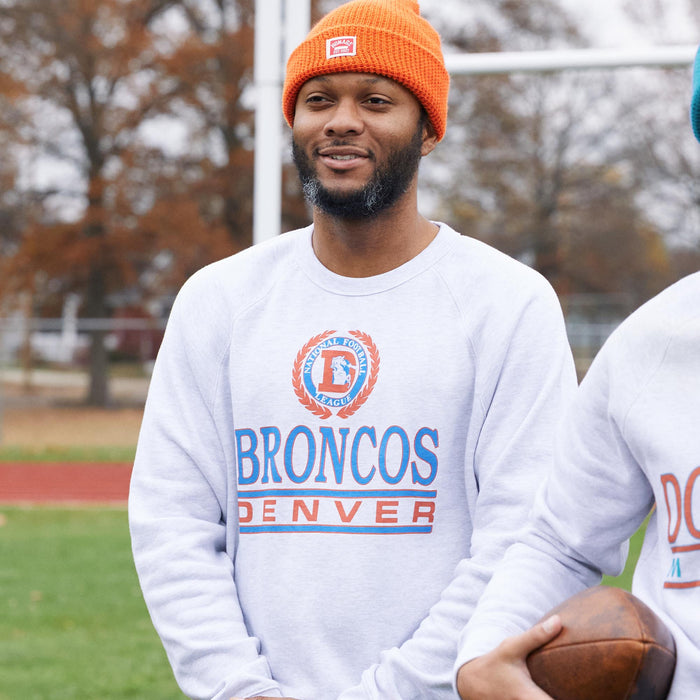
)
(282, 24)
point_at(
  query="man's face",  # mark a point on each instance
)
(357, 142)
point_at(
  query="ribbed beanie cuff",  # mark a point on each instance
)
(695, 104)
(383, 37)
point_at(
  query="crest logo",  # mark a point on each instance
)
(341, 46)
(335, 373)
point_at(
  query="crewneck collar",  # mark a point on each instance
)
(359, 286)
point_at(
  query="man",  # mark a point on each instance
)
(346, 425)
(630, 442)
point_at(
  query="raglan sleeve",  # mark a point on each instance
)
(596, 496)
(528, 377)
(179, 505)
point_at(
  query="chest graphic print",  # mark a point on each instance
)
(681, 499)
(335, 373)
(337, 474)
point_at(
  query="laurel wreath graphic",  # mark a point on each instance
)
(301, 393)
(323, 411)
(348, 410)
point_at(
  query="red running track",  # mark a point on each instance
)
(52, 482)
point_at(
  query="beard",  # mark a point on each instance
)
(389, 182)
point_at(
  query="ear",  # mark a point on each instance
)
(430, 139)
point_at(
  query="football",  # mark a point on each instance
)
(611, 647)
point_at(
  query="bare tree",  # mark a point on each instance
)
(545, 175)
(667, 160)
(132, 215)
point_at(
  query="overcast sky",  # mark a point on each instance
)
(605, 22)
(608, 26)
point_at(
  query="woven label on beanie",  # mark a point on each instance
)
(341, 46)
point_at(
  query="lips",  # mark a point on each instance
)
(342, 152)
(342, 157)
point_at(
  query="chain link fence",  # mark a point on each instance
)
(49, 352)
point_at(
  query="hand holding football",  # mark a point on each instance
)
(612, 647)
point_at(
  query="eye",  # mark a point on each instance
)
(316, 99)
(378, 100)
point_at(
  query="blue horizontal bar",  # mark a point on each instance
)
(358, 530)
(330, 493)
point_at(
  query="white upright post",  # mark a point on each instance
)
(297, 22)
(267, 183)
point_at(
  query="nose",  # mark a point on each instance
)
(344, 118)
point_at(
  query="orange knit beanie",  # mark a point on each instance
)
(384, 37)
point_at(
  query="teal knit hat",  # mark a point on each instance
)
(695, 104)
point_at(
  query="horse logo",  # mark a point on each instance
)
(335, 373)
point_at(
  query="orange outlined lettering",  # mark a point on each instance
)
(385, 511)
(269, 511)
(688, 502)
(424, 509)
(346, 517)
(665, 480)
(245, 511)
(310, 515)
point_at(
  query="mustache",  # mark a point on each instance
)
(340, 143)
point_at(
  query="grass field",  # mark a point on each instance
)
(73, 623)
(72, 620)
(24, 453)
